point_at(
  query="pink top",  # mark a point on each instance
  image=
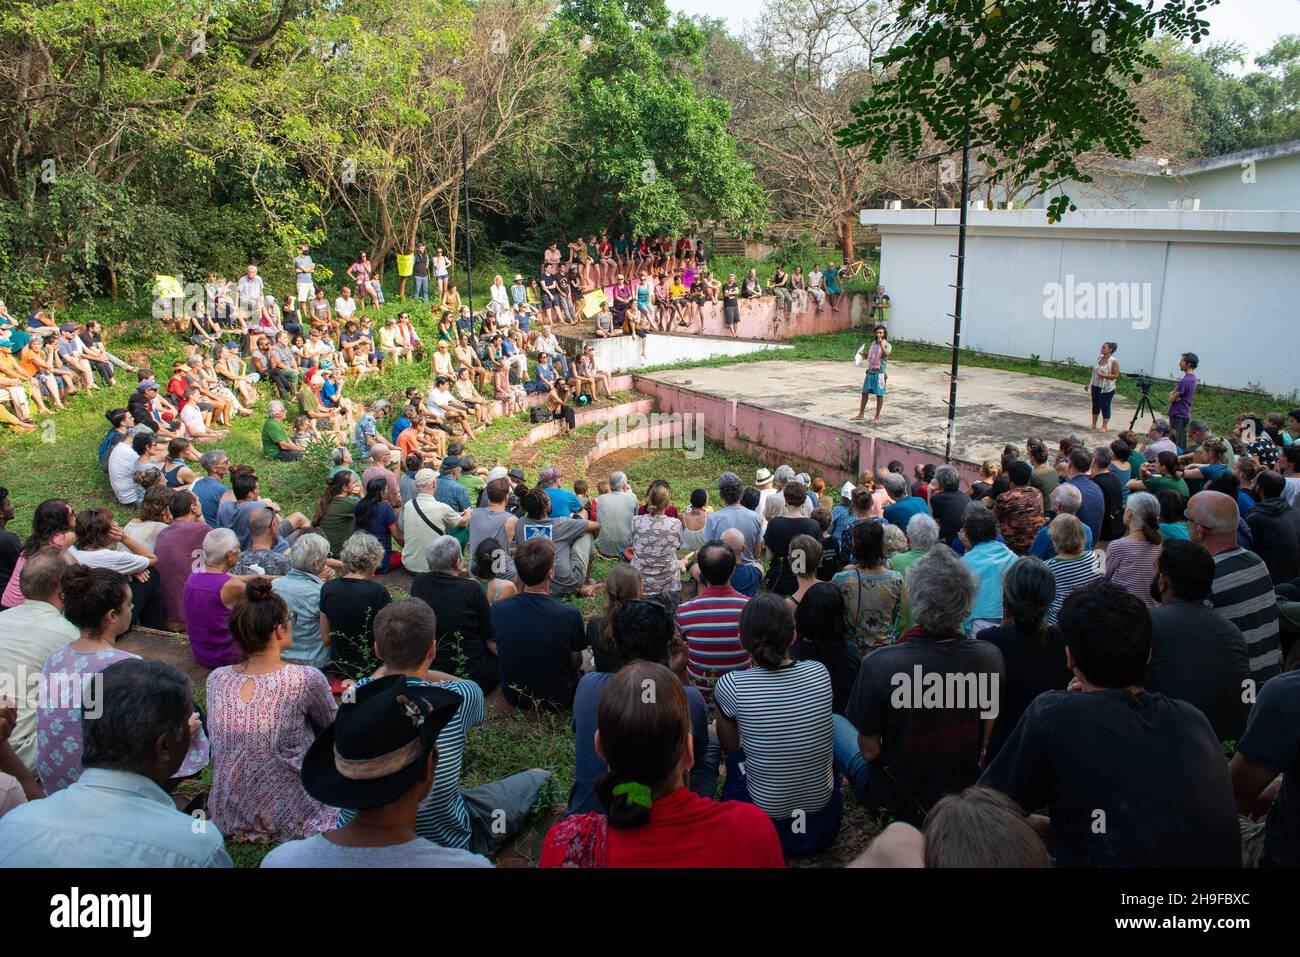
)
(207, 621)
(12, 597)
(58, 720)
(179, 548)
(257, 752)
(1131, 564)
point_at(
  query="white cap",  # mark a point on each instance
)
(846, 490)
(497, 472)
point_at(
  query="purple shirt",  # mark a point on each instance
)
(179, 548)
(1181, 407)
(207, 621)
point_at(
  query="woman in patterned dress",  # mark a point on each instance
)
(264, 714)
(98, 601)
(655, 540)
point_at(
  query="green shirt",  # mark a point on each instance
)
(1156, 483)
(273, 434)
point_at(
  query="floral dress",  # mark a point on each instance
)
(872, 605)
(257, 751)
(655, 540)
(58, 729)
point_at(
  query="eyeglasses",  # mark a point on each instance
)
(1192, 521)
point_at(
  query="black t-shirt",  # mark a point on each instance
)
(926, 751)
(780, 579)
(536, 635)
(1272, 739)
(606, 660)
(1031, 669)
(730, 294)
(831, 560)
(1129, 780)
(1198, 656)
(464, 624)
(1112, 516)
(550, 284)
(949, 510)
(843, 668)
(351, 604)
(10, 545)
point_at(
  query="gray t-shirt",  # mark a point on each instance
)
(317, 851)
(564, 532)
(614, 511)
(737, 517)
(303, 266)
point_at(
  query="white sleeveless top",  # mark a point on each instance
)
(1103, 365)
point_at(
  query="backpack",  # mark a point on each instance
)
(539, 413)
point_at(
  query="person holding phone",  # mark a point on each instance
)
(877, 356)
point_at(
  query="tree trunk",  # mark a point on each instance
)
(845, 230)
(112, 284)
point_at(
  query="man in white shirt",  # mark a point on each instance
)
(344, 306)
(616, 509)
(424, 519)
(30, 633)
(251, 290)
(446, 407)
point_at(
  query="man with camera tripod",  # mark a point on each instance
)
(1180, 398)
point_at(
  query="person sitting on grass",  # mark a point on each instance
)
(1159, 781)
(539, 639)
(479, 819)
(349, 604)
(118, 814)
(651, 819)
(262, 712)
(761, 713)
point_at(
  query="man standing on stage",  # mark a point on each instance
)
(1180, 399)
(877, 375)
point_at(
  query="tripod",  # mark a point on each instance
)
(1144, 406)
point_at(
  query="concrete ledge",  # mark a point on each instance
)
(624, 352)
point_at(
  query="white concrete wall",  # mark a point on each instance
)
(1276, 185)
(1220, 284)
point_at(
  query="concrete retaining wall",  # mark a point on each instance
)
(837, 454)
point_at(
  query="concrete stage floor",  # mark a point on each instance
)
(994, 408)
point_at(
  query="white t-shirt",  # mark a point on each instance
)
(344, 308)
(118, 559)
(192, 416)
(440, 399)
(499, 296)
(122, 462)
(440, 264)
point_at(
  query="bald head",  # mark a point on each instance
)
(1213, 517)
(42, 576)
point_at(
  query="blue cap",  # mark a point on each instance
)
(147, 384)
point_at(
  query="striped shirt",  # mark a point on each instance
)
(1243, 594)
(784, 716)
(1071, 573)
(710, 626)
(1131, 564)
(443, 817)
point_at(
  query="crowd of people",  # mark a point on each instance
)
(988, 665)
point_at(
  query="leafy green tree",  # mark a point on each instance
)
(1031, 85)
(644, 150)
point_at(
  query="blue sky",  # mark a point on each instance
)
(1253, 23)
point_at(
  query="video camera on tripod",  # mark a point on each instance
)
(1144, 384)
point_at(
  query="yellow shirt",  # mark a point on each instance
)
(677, 291)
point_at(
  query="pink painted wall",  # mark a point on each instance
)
(837, 454)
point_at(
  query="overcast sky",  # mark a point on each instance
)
(1253, 23)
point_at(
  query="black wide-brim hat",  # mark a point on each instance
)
(375, 750)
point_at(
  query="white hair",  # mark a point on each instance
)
(942, 590)
(274, 407)
(219, 543)
(442, 554)
(309, 553)
(922, 531)
(361, 553)
(616, 481)
(1066, 499)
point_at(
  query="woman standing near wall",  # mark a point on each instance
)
(1104, 375)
